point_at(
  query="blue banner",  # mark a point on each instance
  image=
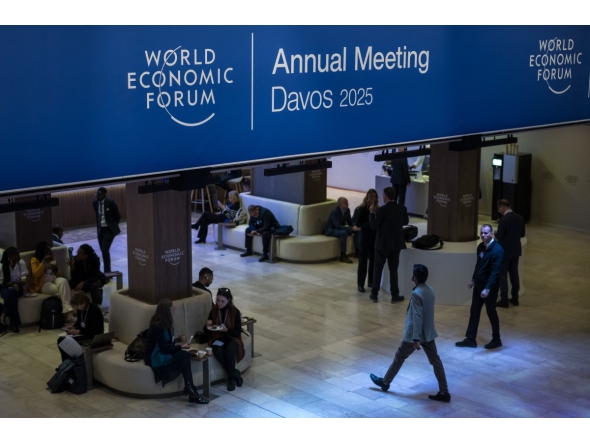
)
(85, 103)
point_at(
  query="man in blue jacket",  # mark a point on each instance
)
(485, 284)
(262, 223)
(419, 331)
(340, 225)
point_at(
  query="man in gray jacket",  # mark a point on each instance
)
(419, 331)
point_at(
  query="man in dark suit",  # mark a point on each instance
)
(485, 283)
(400, 178)
(510, 230)
(340, 225)
(107, 224)
(262, 223)
(389, 221)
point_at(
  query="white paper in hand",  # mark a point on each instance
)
(71, 347)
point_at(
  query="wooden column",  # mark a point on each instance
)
(305, 188)
(25, 229)
(158, 244)
(453, 195)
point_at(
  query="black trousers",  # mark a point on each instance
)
(400, 193)
(105, 240)
(477, 302)
(509, 268)
(10, 306)
(206, 219)
(392, 258)
(266, 236)
(366, 255)
(226, 355)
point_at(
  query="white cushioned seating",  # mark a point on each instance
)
(29, 308)
(307, 243)
(129, 317)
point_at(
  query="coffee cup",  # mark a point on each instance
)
(209, 351)
(201, 353)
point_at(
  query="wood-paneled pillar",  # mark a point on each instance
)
(453, 195)
(25, 229)
(304, 188)
(158, 244)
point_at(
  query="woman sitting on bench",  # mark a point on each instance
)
(12, 279)
(228, 214)
(166, 358)
(86, 274)
(225, 324)
(46, 278)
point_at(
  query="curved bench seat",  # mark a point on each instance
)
(306, 244)
(129, 317)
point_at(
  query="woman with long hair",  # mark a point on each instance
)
(46, 278)
(166, 358)
(86, 274)
(367, 240)
(12, 280)
(225, 325)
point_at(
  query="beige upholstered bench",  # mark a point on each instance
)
(128, 318)
(306, 244)
(29, 307)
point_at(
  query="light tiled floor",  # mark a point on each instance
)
(319, 339)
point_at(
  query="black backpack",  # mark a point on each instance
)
(428, 242)
(71, 376)
(51, 315)
(134, 352)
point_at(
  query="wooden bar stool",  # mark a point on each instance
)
(201, 196)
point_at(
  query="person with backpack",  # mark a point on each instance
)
(228, 214)
(12, 279)
(89, 323)
(166, 358)
(46, 278)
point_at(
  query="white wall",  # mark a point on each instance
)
(357, 171)
(560, 176)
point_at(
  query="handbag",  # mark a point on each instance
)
(134, 352)
(428, 242)
(201, 337)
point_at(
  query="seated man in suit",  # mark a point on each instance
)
(262, 223)
(340, 225)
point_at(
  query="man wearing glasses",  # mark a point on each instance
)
(107, 224)
(485, 284)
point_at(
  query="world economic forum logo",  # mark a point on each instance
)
(182, 82)
(555, 63)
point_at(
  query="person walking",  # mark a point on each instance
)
(485, 283)
(107, 224)
(419, 333)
